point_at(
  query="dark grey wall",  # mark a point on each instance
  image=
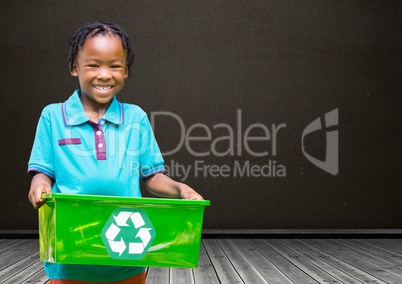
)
(211, 62)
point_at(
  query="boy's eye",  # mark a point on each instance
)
(116, 66)
(92, 65)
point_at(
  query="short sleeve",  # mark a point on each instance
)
(41, 159)
(151, 160)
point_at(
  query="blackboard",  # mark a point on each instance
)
(285, 114)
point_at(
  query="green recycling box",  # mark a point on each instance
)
(110, 230)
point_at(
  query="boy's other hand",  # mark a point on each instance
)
(164, 186)
(40, 184)
(187, 192)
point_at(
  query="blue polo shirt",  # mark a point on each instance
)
(105, 158)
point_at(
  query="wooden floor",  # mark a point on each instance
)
(248, 261)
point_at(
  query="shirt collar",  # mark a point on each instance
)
(74, 114)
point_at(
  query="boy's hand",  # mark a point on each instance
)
(164, 186)
(40, 184)
(187, 192)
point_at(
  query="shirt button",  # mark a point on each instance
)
(100, 145)
(98, 132)
(102, 122)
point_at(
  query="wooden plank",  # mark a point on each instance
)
(6, 240)
(224, 269)
(320, 262)
(244, 268)
(380, 248)
(356, 261)
(351, 270)
(12, 248)
(269, 271)
(24, 274)
(391, 245)
(181, 275)
(38, 278)
(18, 253)
(18, 266)
(292, 272)
(158, 275)
(383, 254)
(7, 243)
(300, 262)
(397, 242)
(369, 258)
(205, 273)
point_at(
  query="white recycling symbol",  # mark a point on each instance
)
(117, 234)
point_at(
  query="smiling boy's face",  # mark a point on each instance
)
(101, 69)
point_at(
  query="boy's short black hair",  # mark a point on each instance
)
(98, 28)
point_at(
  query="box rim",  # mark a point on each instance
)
(125, 199)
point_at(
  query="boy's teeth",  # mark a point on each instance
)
(102, 87)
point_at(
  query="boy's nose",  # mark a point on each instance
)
(104, 74)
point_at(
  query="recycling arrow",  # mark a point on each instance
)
(128, 234)
(121, 218)
(117, 246)
(145, 237)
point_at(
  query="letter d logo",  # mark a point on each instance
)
(330, 164)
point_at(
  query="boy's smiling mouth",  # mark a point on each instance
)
(103, 88)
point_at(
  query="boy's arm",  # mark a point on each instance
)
(164, 186)
(40, 184)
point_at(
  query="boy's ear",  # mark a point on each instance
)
(73, 70)
(126, 73)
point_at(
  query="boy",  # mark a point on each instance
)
(93, 144)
